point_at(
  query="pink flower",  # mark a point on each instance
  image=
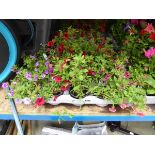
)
(107, 77)
(112, 109)
(123, 105)
(57, 79)
(149, 28)
(91, 73)
(127, 75)
(140, 114)
(134, 21)
(150, 52)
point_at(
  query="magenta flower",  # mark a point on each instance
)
(107, 77)
(150, 52)
(51, 69)
(4, 85)
(127, 75)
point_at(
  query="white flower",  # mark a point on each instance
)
(26, 100)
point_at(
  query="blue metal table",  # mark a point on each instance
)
(47, 112)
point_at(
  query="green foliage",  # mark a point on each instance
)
(86, 62)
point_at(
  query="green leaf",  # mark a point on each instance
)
(81, 77)
(150, 81)
(150, 91)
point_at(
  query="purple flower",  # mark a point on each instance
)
(127, 26)
(47, 63)
(36, 69)
(4, 85)
(28, 76)
(37, 64)
(43, 75)
(46, 72)
(35, 78)
(32, 56)
(18, 101)
(51, 69)
(11, 93)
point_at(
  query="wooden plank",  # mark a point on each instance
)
(10, 128)
(71, 109)
(29, 127)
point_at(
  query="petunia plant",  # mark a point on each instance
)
(115, 63)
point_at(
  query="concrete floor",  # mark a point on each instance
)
(142, 128)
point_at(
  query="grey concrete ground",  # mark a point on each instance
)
(142, 128)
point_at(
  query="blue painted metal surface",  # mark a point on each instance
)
(78, 118)
(12, 50)
(15, 116)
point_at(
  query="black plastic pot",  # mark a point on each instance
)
(74, 94)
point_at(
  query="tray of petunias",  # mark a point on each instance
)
(83, 66)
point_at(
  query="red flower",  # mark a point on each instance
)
(57, 33)
(143, 32)
(57, 79)
(152, 37)
(50, 43)
(40, 101)
(102, 28)
(67, 81)
(99, 46)
(61, 48)
(134, 21)
(66, 36)
(90, 72)
(64, 88)
(71, 51)
(112, 109)
(82, 34)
